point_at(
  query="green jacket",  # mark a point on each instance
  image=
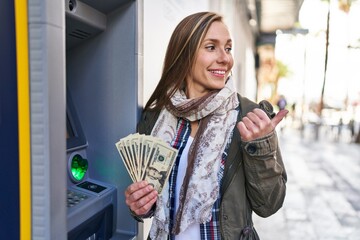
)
(254, 176)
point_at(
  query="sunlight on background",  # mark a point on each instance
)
(304, 54)
(322, 161)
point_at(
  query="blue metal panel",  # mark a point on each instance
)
(9, 152)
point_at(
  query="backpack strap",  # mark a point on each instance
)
(247, 105)
(232, 164)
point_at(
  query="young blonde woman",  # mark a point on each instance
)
(229, 163)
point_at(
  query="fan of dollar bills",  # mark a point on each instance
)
(147, 158)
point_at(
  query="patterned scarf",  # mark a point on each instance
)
(199, 191)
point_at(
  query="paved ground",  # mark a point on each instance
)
(323, 189)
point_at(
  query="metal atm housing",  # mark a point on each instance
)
(102, 62)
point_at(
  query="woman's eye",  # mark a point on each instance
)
(210, 47)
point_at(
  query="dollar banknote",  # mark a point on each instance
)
(159, 165)
(147, 158)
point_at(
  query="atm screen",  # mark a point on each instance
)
(75, 137)
(69, 131)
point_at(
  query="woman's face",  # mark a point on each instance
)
(213, 62)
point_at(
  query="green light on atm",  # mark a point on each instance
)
(79, 166)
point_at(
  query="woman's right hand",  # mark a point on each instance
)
(140, 197)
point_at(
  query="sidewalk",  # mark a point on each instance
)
(323, 190)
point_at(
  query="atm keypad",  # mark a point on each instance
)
(73, 198)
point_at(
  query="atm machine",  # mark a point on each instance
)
(91, 204)
(102, 93)
(71, 89)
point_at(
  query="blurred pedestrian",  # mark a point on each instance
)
(281, 103)
(352, 129)
(340, 126)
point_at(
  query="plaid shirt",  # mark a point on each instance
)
(209, 230)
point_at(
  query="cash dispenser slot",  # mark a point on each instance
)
(91, 210)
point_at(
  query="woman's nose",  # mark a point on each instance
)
(223, 56)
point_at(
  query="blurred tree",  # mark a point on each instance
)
(321, 104)
(343, 5)
(283, 71)
(269, 73)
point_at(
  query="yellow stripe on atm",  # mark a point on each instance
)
(22, 61)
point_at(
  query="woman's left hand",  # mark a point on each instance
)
(257, 124)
